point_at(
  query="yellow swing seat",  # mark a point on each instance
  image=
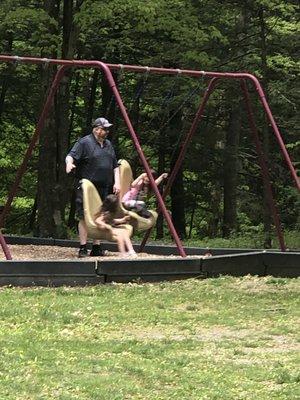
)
(91, 205)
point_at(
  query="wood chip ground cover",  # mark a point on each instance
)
(33, 252)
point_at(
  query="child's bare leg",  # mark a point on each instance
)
(128, 244)
(121, 243)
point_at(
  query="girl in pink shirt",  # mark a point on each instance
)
(134, 199)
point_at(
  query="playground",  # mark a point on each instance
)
(92, 200)
(168, 131)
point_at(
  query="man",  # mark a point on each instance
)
(93, 157)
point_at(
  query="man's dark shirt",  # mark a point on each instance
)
(94, 162)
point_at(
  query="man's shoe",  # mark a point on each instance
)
(82, 252)
(97, 251)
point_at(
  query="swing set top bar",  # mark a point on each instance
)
(124, 67)
(167, 71)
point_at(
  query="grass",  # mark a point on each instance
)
(225, 338)
(247, 240)
(242, 240)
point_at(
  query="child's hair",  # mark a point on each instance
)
(110, 204)
(146, 188)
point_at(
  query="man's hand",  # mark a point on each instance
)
(69, 167)
(69, 164)
(116, 189)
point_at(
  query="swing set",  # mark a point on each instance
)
(214, 79)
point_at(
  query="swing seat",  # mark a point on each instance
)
(126, 178)
(91, 205)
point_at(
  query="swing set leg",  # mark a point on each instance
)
(5, 247)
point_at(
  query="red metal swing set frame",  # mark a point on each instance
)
(107, 70)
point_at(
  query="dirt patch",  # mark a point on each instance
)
(262, 284)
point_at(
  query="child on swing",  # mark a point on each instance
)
(104, 219)
(134, 199)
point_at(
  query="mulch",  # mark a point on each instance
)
(34, 252)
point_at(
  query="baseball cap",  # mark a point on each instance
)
(103, 122)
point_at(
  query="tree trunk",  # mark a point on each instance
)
(265, 131)
(161, 169)
(177, 205)
(47, 179)
(90, 102)
(192, 217)
(6, 75)
(231, 171)
(108, 110)
(71, 195)
(108, 99)
(52, 179)
(177, 190)
(214, 216)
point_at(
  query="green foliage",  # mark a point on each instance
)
(246, 240)
(32, 24)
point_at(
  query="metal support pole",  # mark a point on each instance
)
(189, 136)
(34, 139)
(5, 247)
(271, 119)
(263, 166)
(143, 159)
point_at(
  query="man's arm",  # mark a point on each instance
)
(69, 164)
(75, 155)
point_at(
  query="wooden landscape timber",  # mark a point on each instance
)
(46, 262)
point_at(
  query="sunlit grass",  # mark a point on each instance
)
(225, 338)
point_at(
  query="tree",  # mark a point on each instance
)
(231, 169)
(54, 141)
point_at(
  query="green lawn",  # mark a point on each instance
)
(225, 338)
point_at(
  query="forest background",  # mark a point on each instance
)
(218, 193)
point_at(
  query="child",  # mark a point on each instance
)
(134, 198)
(104, 219)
